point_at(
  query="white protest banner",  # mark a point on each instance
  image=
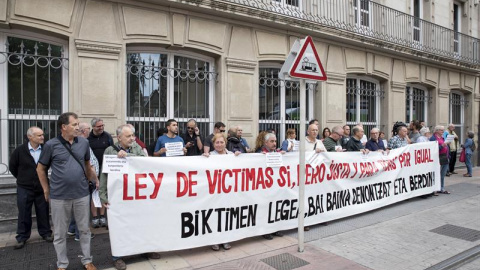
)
(174, 203)
(114, 164)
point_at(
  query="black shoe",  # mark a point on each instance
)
(19, 245)
(48, 238)
(279, 234)
(268, 236)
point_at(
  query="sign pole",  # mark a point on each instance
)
(301, 190)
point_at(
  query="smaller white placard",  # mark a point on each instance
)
(364, 139)
(174, 149)
(296, 146)
(337, 147)
(96, 199)
(450, 138)
(114, 164)
(274, 159)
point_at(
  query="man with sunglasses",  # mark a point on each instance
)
(207, 144)
(192, 139)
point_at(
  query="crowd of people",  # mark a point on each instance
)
(75, 159)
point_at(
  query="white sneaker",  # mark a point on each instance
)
(95, 223)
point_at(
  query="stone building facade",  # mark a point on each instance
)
(218, 60)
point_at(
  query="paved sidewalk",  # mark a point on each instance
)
(394, 237)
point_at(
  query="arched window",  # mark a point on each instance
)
(416, 103)
(34, 76)
(363, 102)
(279, 102)
(162, 85)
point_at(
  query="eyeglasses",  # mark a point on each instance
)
(222, 130)
(99, 126)
(192, 128)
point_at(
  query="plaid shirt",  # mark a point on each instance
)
(397, 142)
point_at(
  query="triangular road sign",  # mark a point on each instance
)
(307, 64)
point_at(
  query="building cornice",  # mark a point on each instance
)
(86, 46)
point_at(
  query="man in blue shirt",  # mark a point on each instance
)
(23, 165)
(170, 138)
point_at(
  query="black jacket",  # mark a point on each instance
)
(23, 167)
(234, 144)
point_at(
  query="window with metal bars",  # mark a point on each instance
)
(457, 112)
(363, 103)
(36, 74)
(279, 103)
(161, 86)
(416, 103)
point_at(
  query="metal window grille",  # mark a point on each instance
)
(34, 87)
(279, 103)
(164, 86)
(416, 102)
(363, 103)
(457, 110)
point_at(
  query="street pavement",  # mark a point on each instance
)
(414, 234)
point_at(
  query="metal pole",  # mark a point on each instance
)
(301, 186)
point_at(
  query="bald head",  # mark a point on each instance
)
(312, 131)
(84, 129)
(35, 136)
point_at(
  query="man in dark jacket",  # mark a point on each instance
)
(23, 165)
(233, 142)
(99, 139)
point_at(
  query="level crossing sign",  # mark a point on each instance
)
(306, 64)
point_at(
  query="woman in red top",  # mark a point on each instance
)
(443, 155)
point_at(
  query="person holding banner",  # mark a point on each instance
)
(219, 145)
(333, 142)
(443, 153)
(234, 144)
(355, 143)
(375, 144)
(289, 143)
(170, 144)
(123, 148)
(207, 144)
(399, 140)
(425, 135)
(311, 141)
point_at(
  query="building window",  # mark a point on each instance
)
(416, 102)
(363, 102)
(362, 14)
(417, 14)
(279, 103)
(161, 86)
(288, 3)
(457, 112)
(34, 94)
(457, 15)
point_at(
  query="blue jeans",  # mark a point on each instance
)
(443, 172)
(72, 228)
(468, 163)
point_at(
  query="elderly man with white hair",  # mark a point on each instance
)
(125, 146)
(375, 144)
(311, 141)
(425, 135)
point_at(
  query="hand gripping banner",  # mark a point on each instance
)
(174, 203)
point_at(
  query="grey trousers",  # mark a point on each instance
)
(61, 215)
